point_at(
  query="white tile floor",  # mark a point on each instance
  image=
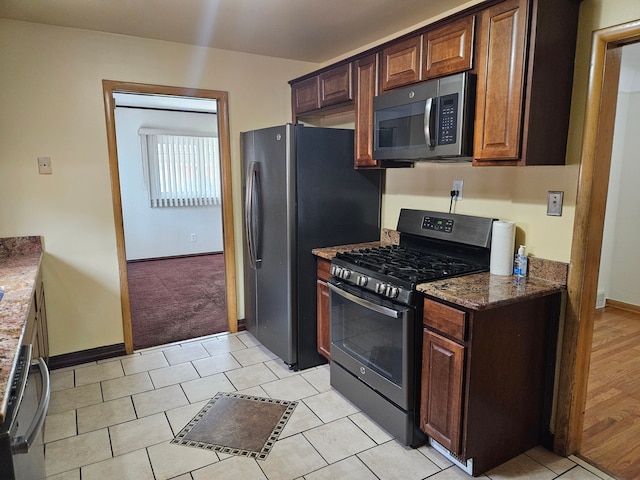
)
(114, 420)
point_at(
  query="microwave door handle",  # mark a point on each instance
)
(429, 122)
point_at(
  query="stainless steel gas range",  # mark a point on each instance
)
(376, 328)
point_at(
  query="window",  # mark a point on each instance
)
(183, 168)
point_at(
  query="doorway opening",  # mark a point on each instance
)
(135, 247)
(612, 417)
(588, 232)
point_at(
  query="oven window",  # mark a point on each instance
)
(370, 338)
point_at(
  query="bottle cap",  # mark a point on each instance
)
(521, 249)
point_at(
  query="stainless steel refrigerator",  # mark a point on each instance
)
(300, 191)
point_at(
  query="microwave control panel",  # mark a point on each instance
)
(448, 119)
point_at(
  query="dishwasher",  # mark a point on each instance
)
(22, 432)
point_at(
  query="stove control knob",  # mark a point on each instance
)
(345, 274)
(362, 280)
(392, 292)
(381, 288)
(334, 270)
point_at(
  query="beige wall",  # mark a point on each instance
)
(51, 105)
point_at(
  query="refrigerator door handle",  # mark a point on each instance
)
(250, 207)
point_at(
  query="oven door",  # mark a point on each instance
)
(373, 338)
(22, 433)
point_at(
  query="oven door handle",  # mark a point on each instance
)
(389, 312)
(22, 444)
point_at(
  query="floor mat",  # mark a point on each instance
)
(237, 424)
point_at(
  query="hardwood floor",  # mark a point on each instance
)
(612, 415)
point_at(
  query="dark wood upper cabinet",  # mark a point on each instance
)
(522, 52)
(501, 37)
(305, 95)
(327, 89)
(365, 73)
(336, 86)
(525, 56)
(449, 49)
(401, 63)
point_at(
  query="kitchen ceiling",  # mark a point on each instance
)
(308, 30)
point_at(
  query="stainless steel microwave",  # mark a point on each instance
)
(432, 120)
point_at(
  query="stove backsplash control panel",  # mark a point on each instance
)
(438, 224)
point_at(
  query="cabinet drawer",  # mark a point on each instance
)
(445, 319)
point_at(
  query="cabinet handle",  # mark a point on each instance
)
(249, 212)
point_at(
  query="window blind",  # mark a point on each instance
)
(183, 169)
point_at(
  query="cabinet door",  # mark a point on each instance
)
(401, 63)
(441, 390)
(449, 49)
(324, 338)
(500, 90)
(305, 95)
(366, 87)
(335, 86)
(323, 319)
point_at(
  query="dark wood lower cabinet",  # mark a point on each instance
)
(487, 384)
(441, 410)
(323, 319)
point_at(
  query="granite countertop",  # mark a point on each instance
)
(482, 291)
(388, 237)
(329, 252)
(20, 259)
(479, 291)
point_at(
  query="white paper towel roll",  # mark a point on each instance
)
(503, 238)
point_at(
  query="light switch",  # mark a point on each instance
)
(554, 203)
(44, 166)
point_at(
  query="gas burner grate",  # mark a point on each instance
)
(406, 264)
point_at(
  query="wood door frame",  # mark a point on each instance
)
(111, 86)
(586, 245)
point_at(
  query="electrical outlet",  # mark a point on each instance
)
(554, 203)
(44, 166)
(194, 237)
(457, 185)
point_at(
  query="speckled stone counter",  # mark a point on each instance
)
(19, 266)
(482, 291)
(388, 237)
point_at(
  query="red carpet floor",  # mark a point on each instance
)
(176, 299)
